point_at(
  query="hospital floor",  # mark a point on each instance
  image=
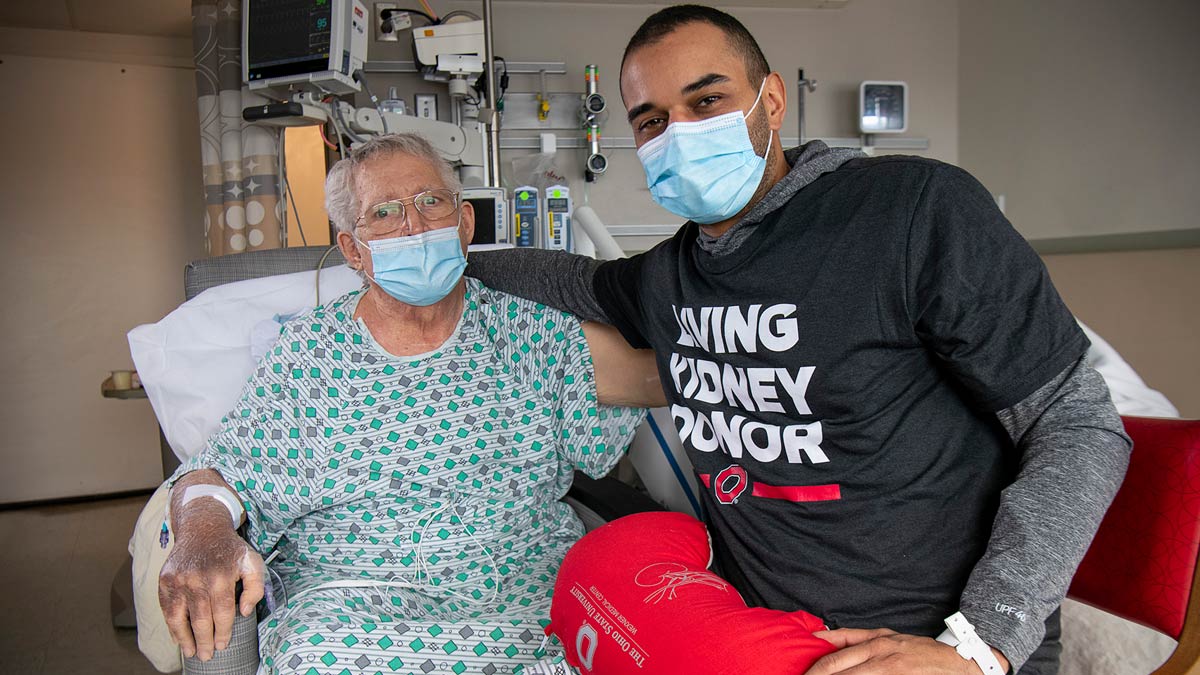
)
(56, 568)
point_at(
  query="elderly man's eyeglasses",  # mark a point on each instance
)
(391, 218)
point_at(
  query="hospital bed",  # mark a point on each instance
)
(1141, 567)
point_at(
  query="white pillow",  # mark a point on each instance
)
(195, 362)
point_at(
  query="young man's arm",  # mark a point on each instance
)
(624, 375)
(1074, 452)
(557, 279)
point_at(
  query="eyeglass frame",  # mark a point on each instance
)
(404, 203)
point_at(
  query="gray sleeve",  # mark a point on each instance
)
(555, 278)
(1074, 452)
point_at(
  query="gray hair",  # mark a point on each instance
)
(341, 200)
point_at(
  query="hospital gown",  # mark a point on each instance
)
(439, 474)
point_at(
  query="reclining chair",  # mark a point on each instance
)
(1142, 564)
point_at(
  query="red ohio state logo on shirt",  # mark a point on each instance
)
(731, 482)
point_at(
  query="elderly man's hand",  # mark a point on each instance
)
(886, 652)
(196, 587)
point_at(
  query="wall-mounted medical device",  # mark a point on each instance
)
(526, 216)
(450, 52)
(556, 227)
(593, 106)
(492, 223)
(883, 107)
(295, 42)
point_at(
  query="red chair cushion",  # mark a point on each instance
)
(1141, 563)
(636, 596)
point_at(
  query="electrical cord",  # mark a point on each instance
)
(320, 265)
(360, 76)
(281, 180)
(325, 138)
(299, 226)
(418, 12)
(503, 77)
(340, 124)
(480, 86)
(337, 132)
(432, 14)
(459, 12)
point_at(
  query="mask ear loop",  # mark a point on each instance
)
(361, 267)
(758, 98)
(771, 136)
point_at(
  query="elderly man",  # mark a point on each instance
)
(872, 373)
(402, 451)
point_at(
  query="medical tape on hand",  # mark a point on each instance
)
(222, 494)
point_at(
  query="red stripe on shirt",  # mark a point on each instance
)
(790, 493)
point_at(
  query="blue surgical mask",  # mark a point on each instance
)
(705, 171)
(419, 269)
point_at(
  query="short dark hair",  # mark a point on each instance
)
(666, 21)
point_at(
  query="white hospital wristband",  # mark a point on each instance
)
(961, 635)
(221, 494)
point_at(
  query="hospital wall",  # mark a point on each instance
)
(102, 207)
(1146, 304)
(1082, 114)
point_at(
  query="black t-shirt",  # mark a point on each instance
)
(835, 380)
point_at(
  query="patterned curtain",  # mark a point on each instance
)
(241, 161)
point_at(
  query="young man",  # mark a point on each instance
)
(871, 370)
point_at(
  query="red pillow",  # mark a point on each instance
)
(636, 596)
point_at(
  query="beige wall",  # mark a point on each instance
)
(102, 208)
(1082, 114)
(1143, 303)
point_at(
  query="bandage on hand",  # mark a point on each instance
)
(196, 588)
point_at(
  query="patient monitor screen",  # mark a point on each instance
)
(287, 37)
(485, 220)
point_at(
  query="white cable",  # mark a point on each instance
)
(423, 562)
(422, 568)
(362, 77)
